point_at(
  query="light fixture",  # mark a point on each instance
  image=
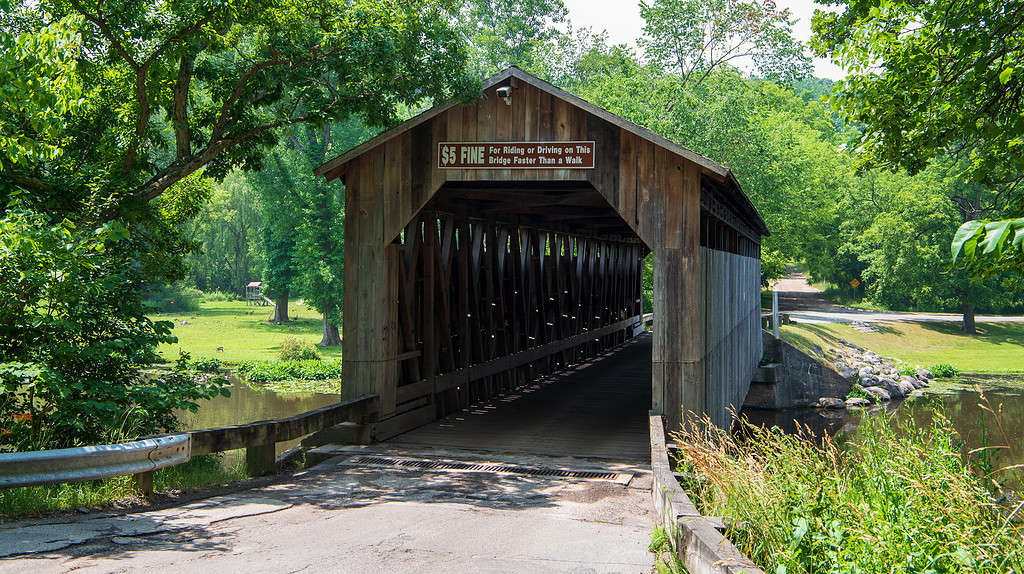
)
(505, 93)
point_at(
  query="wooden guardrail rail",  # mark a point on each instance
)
(140, 458)
(260, 438)
(478, 371)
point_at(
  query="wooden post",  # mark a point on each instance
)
(144, 483)
(259, 460)
(365, 314)
(389, 293)
(775, 312)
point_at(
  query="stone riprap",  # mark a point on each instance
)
(879, 378)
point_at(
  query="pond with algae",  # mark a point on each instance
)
(248, 404)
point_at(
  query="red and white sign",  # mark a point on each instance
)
(516, 155)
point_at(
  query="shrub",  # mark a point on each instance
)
(217, 296)
(944, 370)
(297, 350)
(72, 326)
(908, 371)
(185, 362)
(267, 371)
(175, 298)
(858, 392)
(894, 498)
(79, 411)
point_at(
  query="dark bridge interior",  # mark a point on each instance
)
(595, 409)
(500, 284)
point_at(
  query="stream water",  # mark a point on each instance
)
(247, 405)
(960, 400)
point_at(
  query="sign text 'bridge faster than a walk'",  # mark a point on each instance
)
(516, 155)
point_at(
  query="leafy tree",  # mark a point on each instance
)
(112, 114)
(781, 148)
(319, 256)
(582, 61)
(321, 259)
(303, 219)
(696, 37)
(938, 78)
(172, 88)
(227, 229)
(893, 237)
(506, 33)
(280, 210)
(931, 78)
(72, 334)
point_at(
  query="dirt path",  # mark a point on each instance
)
(796, 294)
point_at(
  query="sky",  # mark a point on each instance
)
(621, 19)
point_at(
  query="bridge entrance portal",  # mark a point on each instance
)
(492, 244)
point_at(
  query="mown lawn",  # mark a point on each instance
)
(997, 348)
(242, 331)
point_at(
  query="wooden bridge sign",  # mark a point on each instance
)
(516, 155)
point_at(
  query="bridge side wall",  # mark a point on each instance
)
(732, 329)
(731, 290)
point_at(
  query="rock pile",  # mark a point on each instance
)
(878, 378)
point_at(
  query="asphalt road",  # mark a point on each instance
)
(806, 304)
(342, 518)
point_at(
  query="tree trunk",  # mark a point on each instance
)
(331, 336)
(968, 325)
(280, 314)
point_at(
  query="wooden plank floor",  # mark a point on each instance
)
(596, 410)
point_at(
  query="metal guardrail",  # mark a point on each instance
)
(92, 462)
(140, 458)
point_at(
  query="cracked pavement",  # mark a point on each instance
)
(337, 517)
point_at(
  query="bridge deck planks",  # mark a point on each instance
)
(597, 410)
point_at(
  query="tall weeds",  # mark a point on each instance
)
(899, 499)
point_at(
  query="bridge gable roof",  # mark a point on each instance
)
(723, 182)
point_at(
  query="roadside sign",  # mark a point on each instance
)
(855, 283)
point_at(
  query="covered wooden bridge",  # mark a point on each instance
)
(489, 244)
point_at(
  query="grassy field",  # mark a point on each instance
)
(997, 348)
(242, 331)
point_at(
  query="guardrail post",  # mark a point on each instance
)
(775, 312)
(260, 459)
(144, 483)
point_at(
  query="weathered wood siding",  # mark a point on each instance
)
(657, 192)
(732, 329)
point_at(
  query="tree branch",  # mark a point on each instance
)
(179, 36)
(26, 182)
(107, 33)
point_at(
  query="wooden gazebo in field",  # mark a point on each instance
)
(487, 244)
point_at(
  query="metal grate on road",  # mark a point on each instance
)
(436, 465)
